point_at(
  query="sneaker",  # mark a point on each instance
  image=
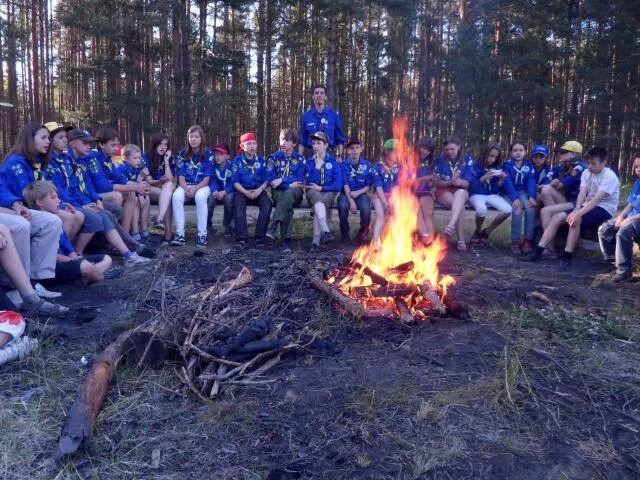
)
(44, 293)
(134, 259)
(527, 248)
(327, 237)
(228, 232)
(201, 241)
(286, 245)
(515, 249)
(19, 348)
(622, 277)
(39, 306)
(271, 231)
(159, 224)
(178, 240)
(259, 242)
(112, 273)
(240, 245)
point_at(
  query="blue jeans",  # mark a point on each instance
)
(529, 220)
(227, 202)
(363, 202)
(619, 243)
(240, 202)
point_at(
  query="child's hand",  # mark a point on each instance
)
(276, 183)
(69, 208)
(517, 206)
(3, 241)
(555, 183)
(619, 221)
(315, 187)
(167, 155)
(353, 208)
(532, 202)
(295, 185)
(486, 177)
(574, 217)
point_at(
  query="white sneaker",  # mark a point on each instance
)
(44, 293)
(135, 259)
(19, 348)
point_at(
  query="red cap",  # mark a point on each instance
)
(247, 137)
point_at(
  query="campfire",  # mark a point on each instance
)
(399, 275)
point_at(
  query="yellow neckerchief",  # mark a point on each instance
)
(245, 163)
(58, 158)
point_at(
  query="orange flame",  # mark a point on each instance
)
(397, 245)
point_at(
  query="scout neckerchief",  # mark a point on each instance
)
(519, 173)
(388, 170)
(222, 179)
(287, 165)
(245, 163)
(542, 174)
(106, 163)
(58, 158)
(38, 174)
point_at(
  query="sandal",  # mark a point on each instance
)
(462, 246)
(476, 238)
(483, 237)
(42, 307)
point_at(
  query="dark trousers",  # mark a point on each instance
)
(285, 201)
(363, 203)
(240, 202)
(227, 202)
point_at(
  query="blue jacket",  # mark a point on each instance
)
(328, 121)
(474, 172)
(194, 169)
(519, 176)
(445, 169)
(385, 176)
(15, 174)
(60, 171)
(103, 171)
(157, 175)
(570, 180)
(85, 182)
(290, 169)
(634, 199)
(425, 168)
(329, 177)
(221, 178)
(357, 176)
(130, 173)
(250, 173)
(537, 178)
(65, 247)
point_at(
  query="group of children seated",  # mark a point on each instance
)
(63, 195)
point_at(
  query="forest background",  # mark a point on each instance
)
(543, 71)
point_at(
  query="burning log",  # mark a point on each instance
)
(353, 307)
(402, 268)
(375, 277)
(404, 312)
(432, 296)
(392, 290)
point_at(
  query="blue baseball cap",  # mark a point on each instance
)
(540, 149)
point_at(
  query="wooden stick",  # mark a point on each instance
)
(375, 277)
(430, 294)
(403, 267)
(404, 313)
(353, 307)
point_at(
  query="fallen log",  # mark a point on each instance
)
(352, 307)
(392, 290)
(434, 299)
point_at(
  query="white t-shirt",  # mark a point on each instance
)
(606, 181)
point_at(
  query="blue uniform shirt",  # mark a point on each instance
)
(536, 179)
(103, 171)
(60, 171)
(634, 199)
(327, 121)
(329, 176)
(359, 175)
(571, 180)
(425, 168)
(194, 170)
(473, 173)
(132, 174)
(221, 178)
(85, 182)
(519, 175)
(289, 169)
(250, 173)
(65, 247)
(159, 173)
(445, 168)
(385, 176)
(16, 173)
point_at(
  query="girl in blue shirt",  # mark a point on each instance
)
(487, 183)
(159, 176)
(385, 177)
(451, 191)
(193, 168)
(425, 179)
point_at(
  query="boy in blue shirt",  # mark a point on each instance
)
(286, 170)
(250, 182)
(618, 234)
(221, 188)
(321, 118)
(358, 180)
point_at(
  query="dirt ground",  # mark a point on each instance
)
(541, 383)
